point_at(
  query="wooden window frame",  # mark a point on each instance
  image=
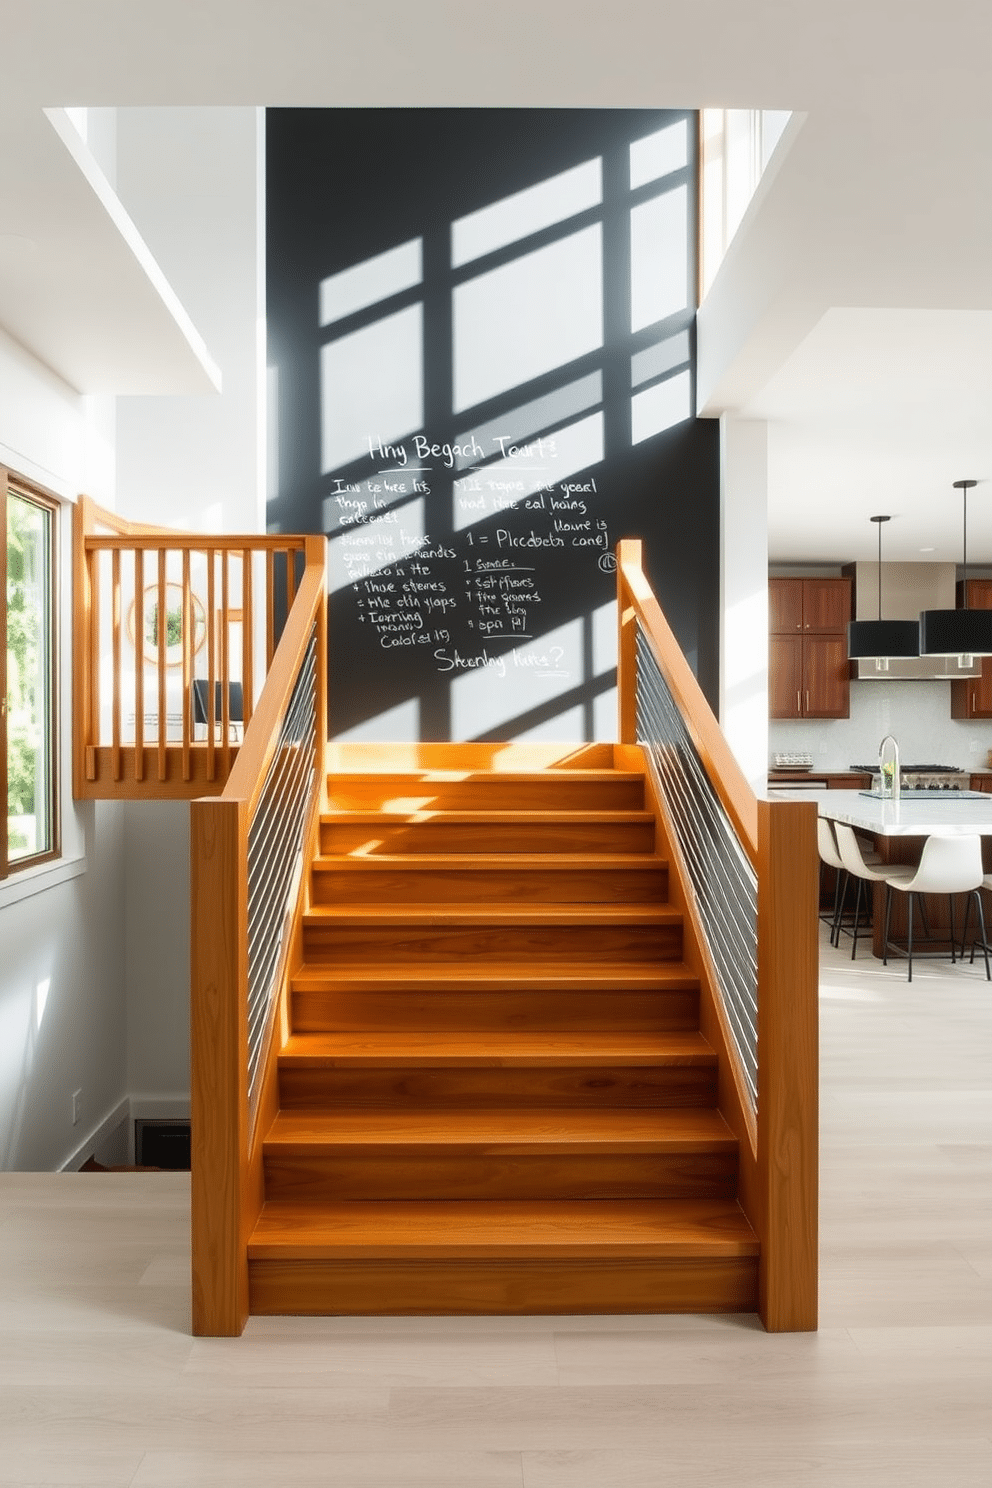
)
(12, 484)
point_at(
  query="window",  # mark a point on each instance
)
(28, 735)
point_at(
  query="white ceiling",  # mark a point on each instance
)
(854, 310)
(78, 287)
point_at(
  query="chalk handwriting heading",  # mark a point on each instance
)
(470, 449)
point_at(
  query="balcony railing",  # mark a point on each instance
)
(172, 635)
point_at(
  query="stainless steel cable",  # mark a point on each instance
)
(721, 877)
(275, 851)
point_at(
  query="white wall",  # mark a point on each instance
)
(156, 956)
(62, 1005)
(192, 180)
(744, 593)
(94, 975)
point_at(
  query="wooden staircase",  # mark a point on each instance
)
(495, 1097)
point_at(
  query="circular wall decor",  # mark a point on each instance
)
(173, 624)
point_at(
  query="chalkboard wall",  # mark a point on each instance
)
(481, 352)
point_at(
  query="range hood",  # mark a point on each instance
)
(907, 588)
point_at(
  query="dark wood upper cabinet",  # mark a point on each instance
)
(785, 606)
(808, 669)
(826, 605)
(971, 697)
(785, 676)
(826, 677)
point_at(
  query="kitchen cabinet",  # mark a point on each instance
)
(801, 606)
(971, 697)
(982, 783)
(808, 668)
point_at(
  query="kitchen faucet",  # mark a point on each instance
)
(894, 788)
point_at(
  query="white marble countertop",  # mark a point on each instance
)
(946, 817)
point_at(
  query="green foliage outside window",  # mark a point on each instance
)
(27, 674)
(173, 625)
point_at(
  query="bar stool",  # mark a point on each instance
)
(829, 856)
(948, 865)
(986, 883)
(858, 867)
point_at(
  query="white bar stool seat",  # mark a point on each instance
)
(948, 865)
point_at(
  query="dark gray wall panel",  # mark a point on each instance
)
(481, 336)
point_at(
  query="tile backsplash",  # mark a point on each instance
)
(917, 713)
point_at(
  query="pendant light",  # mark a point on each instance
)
(882, 638)
(963, 632)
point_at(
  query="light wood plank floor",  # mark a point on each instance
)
(100, 1383)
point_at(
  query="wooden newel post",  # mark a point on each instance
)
(629, 553)
(788, 1064)
(219, 1072)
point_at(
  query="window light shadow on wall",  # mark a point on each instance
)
(538, 354)
(522, 472)
(528, 317)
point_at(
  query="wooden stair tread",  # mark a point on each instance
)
(294, 1229)
(483, 862)
(454, 776)
(493, 914)
(497, 758)
(421, 976)
(483, 818)
(440, 1050)
(503, 1130)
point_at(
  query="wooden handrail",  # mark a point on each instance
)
(778, 1137)
(152, 540)
(226, 1145)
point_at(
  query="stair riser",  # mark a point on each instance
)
(522, 945)
(681, 1085)
(492, 886)
(374, 1174)
(509, 836)
(546, 794)
(486, 1288)
(661, 1011)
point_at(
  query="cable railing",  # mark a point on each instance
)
(720, 872)
(744, 873)
(249, 847)
(275, 856)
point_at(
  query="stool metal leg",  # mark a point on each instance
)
(840, 899)
(862, 891)
(964, 927)
(985, 939)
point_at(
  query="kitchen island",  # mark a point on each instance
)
(944, 814)
(898, 830)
